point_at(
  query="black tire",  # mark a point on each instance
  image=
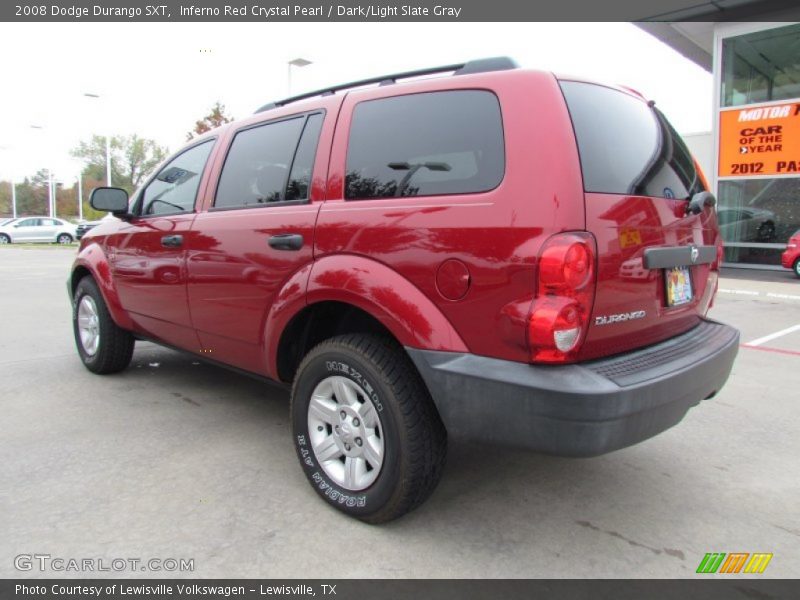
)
(796, 267)
(115, 348)
(413, 436)
(4, 239)
(64, 238)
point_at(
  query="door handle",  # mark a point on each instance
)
(172, 241)
(286, 241)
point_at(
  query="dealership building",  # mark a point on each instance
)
(753, 154)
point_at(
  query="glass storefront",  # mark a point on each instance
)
(758, 216)
(759, 172)
(762, 66)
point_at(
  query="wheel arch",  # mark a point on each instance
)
(348, 294)
(316, 323)
(92, 262)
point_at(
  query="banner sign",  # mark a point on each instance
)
(760, 141)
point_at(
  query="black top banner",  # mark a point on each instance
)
(389, 10)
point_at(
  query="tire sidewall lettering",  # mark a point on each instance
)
(343, 368)
(334, 494)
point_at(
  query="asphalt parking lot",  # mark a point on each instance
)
(177, 459)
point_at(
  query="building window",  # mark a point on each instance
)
(761, 67)
(757, 217)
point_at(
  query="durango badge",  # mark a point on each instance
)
(619, 318)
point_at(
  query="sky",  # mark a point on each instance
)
(157, 79)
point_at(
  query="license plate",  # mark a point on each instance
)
(679, 286)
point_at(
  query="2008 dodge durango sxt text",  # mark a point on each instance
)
(497, 253)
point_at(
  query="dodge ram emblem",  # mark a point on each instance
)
(695, 253)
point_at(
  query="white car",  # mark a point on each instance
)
(37, 229)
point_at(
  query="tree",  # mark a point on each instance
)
(32, 195)
(132, 159)
(212, 120)
(5, 198)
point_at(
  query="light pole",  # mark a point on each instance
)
(297, 62)
(13, 198)
(80, 165)
(50, 191)
(108, 144)
(80, 196)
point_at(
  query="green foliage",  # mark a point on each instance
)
(212, 120)
(32, 195)
(5, 199)
(132, 160)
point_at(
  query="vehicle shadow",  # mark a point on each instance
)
(494, 494)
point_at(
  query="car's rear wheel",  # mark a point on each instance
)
(102, 345)
(4, 239)
(365, 428)
(766, 231)
(64, 238)
(796, 267)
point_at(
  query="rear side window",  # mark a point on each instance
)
(627, 146)
(270, 163)
(425, 144)
(303, 165)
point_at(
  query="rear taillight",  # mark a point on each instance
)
(715, 266)
(560, 313)
(700, 174)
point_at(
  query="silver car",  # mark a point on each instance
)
(37, 229)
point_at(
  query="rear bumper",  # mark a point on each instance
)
(579, 410)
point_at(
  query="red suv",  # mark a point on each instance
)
(424, 258)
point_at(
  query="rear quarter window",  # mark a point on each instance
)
(425, 144)
(627, 146)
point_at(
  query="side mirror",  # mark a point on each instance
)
(699, 201)
(110, 199)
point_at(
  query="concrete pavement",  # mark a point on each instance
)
(177, 459)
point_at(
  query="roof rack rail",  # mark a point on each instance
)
(482, 65)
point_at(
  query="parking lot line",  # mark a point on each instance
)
(757, 294)
(772, 336)
(768, 349)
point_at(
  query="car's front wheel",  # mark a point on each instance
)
(64, 238)
(102, 345)
(4, 239)
(796, 267)
(365, 428)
